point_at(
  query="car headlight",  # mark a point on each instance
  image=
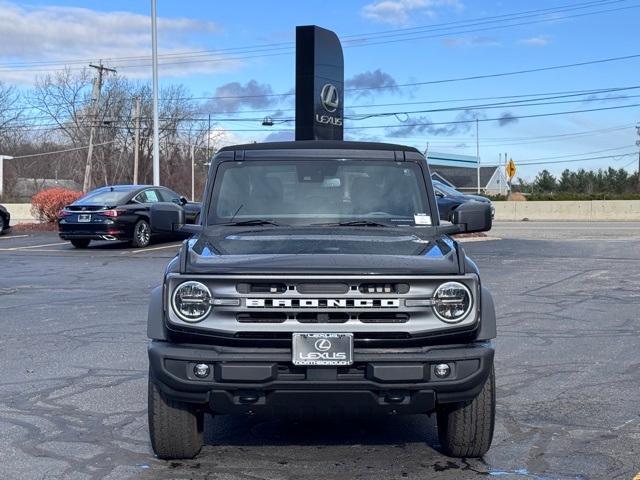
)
(192, 301)
(452, 302)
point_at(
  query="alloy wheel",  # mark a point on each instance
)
(143, 233)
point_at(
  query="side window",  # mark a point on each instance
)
(169, 196)
(153, 196)
(148, 196)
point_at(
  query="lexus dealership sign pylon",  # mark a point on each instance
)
(319, 84)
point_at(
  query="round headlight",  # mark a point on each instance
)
(452, 302)
(192, 301)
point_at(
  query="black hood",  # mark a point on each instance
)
(344, 250)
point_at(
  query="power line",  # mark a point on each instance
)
(401, 125)
(61, 151)
(561, 94)
(360, 40)
(617, 157)
(515, 103)
(567, 112)
(574, 154)
(470, 108)
(351, 37)
(434, 82)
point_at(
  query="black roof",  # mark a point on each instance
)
(464, 177)
(320, 144)
(127, 187)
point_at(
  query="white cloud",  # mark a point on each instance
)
(539, 41)
(401, 12)
(470, 42)
(60, 34)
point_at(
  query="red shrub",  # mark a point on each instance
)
(46, 204)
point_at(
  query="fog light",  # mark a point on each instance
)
(442, 370)
(201, 370)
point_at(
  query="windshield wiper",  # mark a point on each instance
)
(353, 223)
(253, 221)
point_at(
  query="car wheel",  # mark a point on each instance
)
(175, 427)
(466, 429)
(80, 243)
(1, 225)
(141, 234)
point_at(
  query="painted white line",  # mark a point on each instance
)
(37, 251)
(33, 246)
(142, 250)
(7, 237)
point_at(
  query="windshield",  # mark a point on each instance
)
(104, 196)
(320, 191)
(446, 189)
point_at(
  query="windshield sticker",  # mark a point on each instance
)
(422, 219)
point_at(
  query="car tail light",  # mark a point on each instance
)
(63, 213)
(113, 213)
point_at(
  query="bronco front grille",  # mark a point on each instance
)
(284, 304)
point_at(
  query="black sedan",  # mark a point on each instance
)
(449, 199)
(120, 212)
(5, 219)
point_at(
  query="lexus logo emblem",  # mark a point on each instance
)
(330, 98)
(323, 345)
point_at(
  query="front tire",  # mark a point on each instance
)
(1, 225)
(465, 429)
(175, 427)
(141, 234)
(80, 243)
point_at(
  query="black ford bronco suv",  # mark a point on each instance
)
(321, 279)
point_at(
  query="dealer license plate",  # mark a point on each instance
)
(322, 348)
(84, 217)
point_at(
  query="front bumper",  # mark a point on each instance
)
(252, 380)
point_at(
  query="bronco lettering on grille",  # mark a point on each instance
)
(322, 303)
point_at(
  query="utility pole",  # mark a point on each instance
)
(136, 152)
(154, 68)
(505, 174)
(193, 172)
(478, 155)
(95, 97)
(638, 144)
(208, 137)
(500, 169)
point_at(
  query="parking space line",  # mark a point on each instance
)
(142, 250)
(5, 237)
(33, 246)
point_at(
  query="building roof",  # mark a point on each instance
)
(464, 177)
(451, 159)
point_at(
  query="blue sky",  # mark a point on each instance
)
(115, 29)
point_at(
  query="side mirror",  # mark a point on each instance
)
(183, 201)
(166, 217)
(472, 217)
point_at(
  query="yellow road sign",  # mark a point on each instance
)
(511, 169)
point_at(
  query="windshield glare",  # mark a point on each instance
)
(304, 192)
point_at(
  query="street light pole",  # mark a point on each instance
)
(193, 173)
(478, 155)
(154, 62)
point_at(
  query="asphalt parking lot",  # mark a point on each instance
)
(73, 382)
